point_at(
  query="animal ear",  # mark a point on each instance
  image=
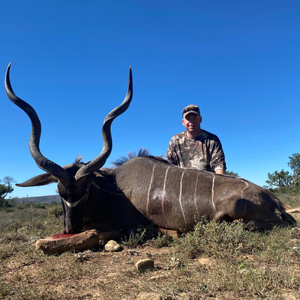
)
(39, 180)
(106, 184)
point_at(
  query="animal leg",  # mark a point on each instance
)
(289, 218)
(268, 221)
(221, 216)
(260, 225)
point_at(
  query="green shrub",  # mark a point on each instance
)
(55, 211)
(135, 237)
(162, 240)
(40, 205)
(219, 239)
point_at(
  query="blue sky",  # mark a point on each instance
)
(238, 60)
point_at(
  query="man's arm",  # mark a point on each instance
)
(170, 153)
(218, 158)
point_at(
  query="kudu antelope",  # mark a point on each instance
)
(146, 189)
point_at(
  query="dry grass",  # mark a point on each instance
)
(216, 261)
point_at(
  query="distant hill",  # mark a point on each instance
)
(41, 199)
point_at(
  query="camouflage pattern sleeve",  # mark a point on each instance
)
(171, 153)
(217, 156)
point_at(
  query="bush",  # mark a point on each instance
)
(55, 211)
(40, 205)
(222, 240)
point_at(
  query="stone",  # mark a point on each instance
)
(112, 246)
(172, 233)
(144, 264)
(82, 241)
(149, 296)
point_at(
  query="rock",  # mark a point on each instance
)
(82, 241)
(149, 296)
(144, 264)
(172, 233)
(112, 246)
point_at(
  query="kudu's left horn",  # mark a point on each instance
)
(42, 162)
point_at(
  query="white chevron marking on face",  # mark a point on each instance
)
(180, 196)
(164, 191)
(150, 185)
(71, 205)
(213, 192)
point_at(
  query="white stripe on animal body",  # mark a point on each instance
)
(213, 192)
(195, 196)
(164, 192)
(150, 185)
(180, 196)
(242, 195)
(242, 192)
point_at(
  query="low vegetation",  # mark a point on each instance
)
(216, 261)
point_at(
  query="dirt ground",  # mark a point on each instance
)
(102, 275)
(89, 275)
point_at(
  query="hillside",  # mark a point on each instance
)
(41, 199)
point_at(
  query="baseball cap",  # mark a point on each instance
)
(190, 109)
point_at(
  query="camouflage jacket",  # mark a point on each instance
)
(202, 153)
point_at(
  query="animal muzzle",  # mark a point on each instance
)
(69, 229)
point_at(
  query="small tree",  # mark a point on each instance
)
(279, 179)
(5, 189)
(294, 164)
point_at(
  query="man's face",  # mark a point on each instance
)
(192, 123)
